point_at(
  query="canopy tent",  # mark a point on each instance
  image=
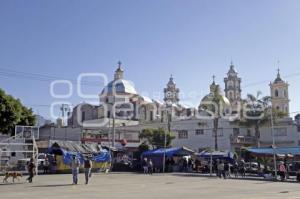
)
(69, 149)
(278, 151)
(216, 155)
(170, 152)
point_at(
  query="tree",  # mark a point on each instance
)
(257, 113)
(13, 113)
(156, 137)
(215, 105)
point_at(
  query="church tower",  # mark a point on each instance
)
(233, 87)
(171, 92)
(119, 72)
(280, 94)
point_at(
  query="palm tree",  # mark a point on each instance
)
(257, 113)
(215, 106)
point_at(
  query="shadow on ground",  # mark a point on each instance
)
(52, 185)
(259, 180)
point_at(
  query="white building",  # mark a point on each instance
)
(135, 113)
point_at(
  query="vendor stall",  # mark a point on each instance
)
(176, 158)
(63, 152)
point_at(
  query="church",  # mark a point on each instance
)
(123, 110)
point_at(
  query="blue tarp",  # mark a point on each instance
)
(280, 150)
(216, 155)
(182, 151)
(102, 156)
(68, 156)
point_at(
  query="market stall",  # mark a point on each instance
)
(63, 152)
(176, 158)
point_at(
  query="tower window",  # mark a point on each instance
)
(276, 93)
(285, 93)
(82, 116)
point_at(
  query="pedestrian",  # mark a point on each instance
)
(145, 165)
(242, 168)
(185, 164)
(46, 166)
(150, 167)
(226, 170)
(87, 169)
(75, 169)
(221, 171)
(31, 170)
(282, 171)
(236, 169)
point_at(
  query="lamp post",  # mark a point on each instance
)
(169, 116)
(273, 143)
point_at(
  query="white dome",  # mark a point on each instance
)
(121, 86)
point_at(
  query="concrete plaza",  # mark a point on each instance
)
(138, 186)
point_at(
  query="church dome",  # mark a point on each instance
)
(208, 100)
(119, 86)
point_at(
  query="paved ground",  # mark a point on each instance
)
(137, 186)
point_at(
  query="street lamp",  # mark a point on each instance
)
(169, 116)
(273, 142)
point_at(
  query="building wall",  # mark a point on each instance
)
(65, 133)
(285, 135)
(200, 134)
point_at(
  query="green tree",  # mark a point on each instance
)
(12, 113)
(156, 137)
(257, 113)
(215, 105)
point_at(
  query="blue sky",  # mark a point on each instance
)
(191, 39)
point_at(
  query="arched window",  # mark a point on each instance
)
(284, 93)
(230, 95)
(276, 93)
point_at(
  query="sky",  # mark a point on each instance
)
(42, 41)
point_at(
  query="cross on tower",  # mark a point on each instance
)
(119, 64)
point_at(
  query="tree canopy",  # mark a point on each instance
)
(156, 137)
(13, 113)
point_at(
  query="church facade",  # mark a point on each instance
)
(132, 113)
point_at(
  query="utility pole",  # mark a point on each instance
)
(273, 145)
(114, 122)
(65, 109)
(169, 117)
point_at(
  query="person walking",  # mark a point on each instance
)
(236, 169)
(46, 166)
(75, 169)
(87, 169)
(145, 165)
(226, 170)
(282, 171)
(242, 168)
(150, 167)
(221, 171)
(31, 170)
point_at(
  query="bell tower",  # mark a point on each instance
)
(280, 94)
(171, 92)
(233, 87)
(119, 72)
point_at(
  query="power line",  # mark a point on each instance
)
(40, 77)
(268, 81)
